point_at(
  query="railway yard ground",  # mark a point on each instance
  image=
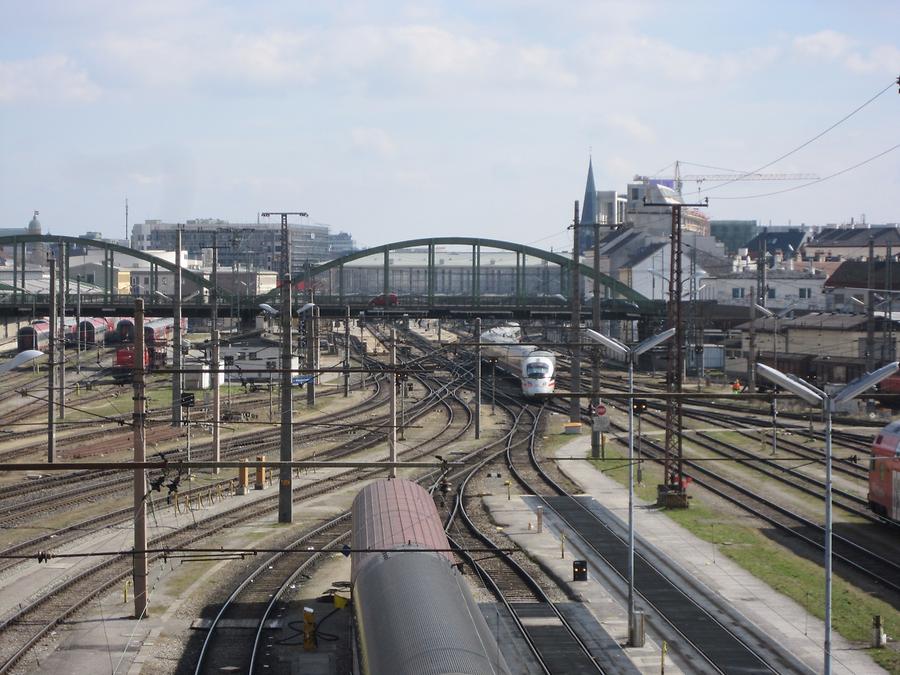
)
(754, 576)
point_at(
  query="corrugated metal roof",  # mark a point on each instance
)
(392, 514)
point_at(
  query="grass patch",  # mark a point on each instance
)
(801, 580)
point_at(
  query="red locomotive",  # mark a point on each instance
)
(884, 473)
(123, 369)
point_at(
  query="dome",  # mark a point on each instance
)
(34, 227)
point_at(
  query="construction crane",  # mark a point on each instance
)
(679, 178)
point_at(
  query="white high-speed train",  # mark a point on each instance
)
(535, 367)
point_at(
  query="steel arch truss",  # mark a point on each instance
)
(110, 249)
(616, 287)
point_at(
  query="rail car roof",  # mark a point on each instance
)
(395, 513)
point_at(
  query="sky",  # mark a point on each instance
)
(415, 119)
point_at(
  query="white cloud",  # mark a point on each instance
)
(884, 58)
(830, 45)
(52, 77)
(375, 56)
(631, 126)
(376, 141)
(659, 61)
(827, 44)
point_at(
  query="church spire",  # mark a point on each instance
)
(588, 210)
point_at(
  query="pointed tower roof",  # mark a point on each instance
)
(589, 206)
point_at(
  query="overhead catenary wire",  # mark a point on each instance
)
(805, 143)
(819, 180)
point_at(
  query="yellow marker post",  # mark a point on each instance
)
(562, 545)
(309, 629)
(508, 485)
(125, 592)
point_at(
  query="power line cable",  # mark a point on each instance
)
(820, 180)
(806, 143)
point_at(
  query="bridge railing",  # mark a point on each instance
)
(413, 302)
(94, 299)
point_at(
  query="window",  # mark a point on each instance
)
(805, 293)
(537, 371)
(770, 293)
(737, 292)
(634, 193)
(253, 356)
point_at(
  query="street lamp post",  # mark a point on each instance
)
(630, 354)
(815, 396)
(776, 317)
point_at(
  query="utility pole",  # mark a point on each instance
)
(672, 492)
(139, 570)
(392, 431)
(217, 398)
(751, 351)
(285, 483)
(214, 278)
(51, 368)
(885, 325)
(870, 309)
(78, 335)
(347, 352)
(176, 335)
(61, 297)
(478, 377)
(214, 338)
(595, 351)
(889, 285)
(312, 349)
(575, 403)
(762, 288)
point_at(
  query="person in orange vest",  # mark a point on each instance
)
(736, 387)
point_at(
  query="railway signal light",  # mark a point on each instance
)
(640, 406)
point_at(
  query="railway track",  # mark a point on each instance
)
(879, 570)
(29, 625)
(254, 598)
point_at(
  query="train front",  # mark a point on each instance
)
(538, 373)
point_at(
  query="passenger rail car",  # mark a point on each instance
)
(93, 331)
(414, 610)
(35, 336)
(535, 368)
(884, 473)
(157, 332)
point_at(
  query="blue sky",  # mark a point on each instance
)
(398, 120)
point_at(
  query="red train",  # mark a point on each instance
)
(35, 336)
(884, 473)
(157, 332)
(91, 331)
(123, 368)
(95, 331)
